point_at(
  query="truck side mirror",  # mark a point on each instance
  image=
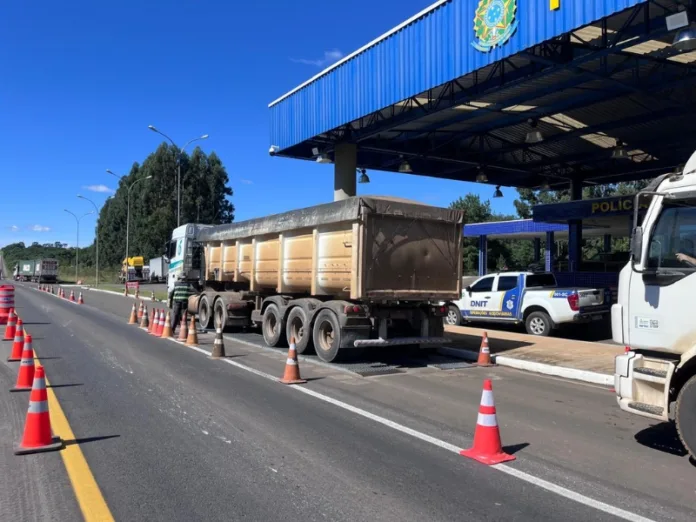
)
(468, 289)
(637, 245)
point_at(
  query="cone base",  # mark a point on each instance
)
(496, 458)
(292, 381)
(21, 389)
(57, 444)
(483, 365)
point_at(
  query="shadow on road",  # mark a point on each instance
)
(89, 439)
(26, 323)
(662, 437)
(514, 448)
(64, 385)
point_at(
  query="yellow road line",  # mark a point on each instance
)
(89, 496)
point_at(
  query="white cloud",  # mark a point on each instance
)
(14, 228)
(330, 56)
(246, 181)
(99, 188)
(39, 228)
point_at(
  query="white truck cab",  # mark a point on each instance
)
(531, 298)
(182, 253)
(653, 317)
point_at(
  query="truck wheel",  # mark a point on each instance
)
(297, 326)
(453, 317)
(219, 314)
(538, 323)
(327, 336)
(205, 312)
(272, 326)
(685, 416)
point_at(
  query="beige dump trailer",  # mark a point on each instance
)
(365, 271)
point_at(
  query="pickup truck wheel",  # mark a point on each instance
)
(453, 317)
(685, 416)
(205, 312)
(273, 327)
(538, 323)
(298, 327)
(327, 336)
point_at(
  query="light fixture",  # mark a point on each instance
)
(619, 152)
(274, 150)
(481, 176)
(498, 193)
(364, 178)
(405, 167)
(323, 158)
(534, 135)
(315, 151)
(545, 186)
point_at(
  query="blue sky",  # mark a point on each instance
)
(83, 80)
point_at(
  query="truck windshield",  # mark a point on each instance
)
(673, 240)
(541, 280)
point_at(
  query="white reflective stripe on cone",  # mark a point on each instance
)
(291, 362)
(39, 383)
(487, 398)
(38, 407)
(487, 419)
(27, 362)
(485, 349)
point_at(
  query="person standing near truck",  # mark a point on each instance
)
(178, 300)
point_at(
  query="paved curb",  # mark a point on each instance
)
(141, 298)
(535, 367)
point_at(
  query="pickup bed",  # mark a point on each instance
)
(530, 298)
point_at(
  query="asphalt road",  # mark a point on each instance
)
(172, 435)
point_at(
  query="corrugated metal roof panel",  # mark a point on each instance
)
(427, 52)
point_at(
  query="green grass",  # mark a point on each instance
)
(145, 291)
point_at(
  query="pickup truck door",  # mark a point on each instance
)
(508, 294)
(478, 301)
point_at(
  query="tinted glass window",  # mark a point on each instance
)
(538, 280)
(506, 283)
(673, 241)
(483, 285)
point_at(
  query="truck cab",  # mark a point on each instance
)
(656, 377)
(184, 255)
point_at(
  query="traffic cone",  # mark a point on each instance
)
(25, 376)
(484, 358)
(167, 328)
(218, 345)
(18, 344)
(153, 323)
(51, 289)
(11, 327)
(132, 319)
(80, 300)
(183, 329)
(152, 296)
(487, 447)
(137, 292)
(37, 427)
(140, 310)
(292, 369)
(125, 291)
(192, 339)
(144, 320)
(72, 296)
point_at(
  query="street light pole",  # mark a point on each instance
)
(96, 210)
(180, 152)
(77, 244)
(128, 212)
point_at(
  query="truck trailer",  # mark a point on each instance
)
(45, 271)
(336, 278)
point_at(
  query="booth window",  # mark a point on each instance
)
(674, 233)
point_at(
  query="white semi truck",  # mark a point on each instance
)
(352, 274)
(655, 316)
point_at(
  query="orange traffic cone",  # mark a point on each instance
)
(153, 323)
(132, 318)
(137, 292)
(72, 296)
(192, 339)
(152, 296)
(484, 358)
(218, 345)
(292, 369)
(140, 310)
(11, 327)
(167, 328)
(25, 377)
(18, 344)
(160, 323)
(80, 300)
(487, 447)
(37, 428)
(125, 291)
(183, 329)
(144, 320)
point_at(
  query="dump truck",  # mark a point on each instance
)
(337, 278)
(133, 269)
(27, 268)
(45, 271)
(656, 377)
(158, 268)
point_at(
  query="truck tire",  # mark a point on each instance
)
(219, 314)
(273, 327)
(205, 312)
(298, 326)
(538, 323)
(453, 317)
(685, 416)
(327, 336)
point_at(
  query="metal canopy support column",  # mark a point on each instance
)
(345, 166)
(537, 249)
(550, 253)
(607, 243)
(575, 231)
(483, 255)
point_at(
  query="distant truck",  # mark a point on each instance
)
(158, 267)
(133, 269)
(338, 277)
(528, 298)
(37, 270)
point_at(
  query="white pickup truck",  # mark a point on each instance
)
(530, 298)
